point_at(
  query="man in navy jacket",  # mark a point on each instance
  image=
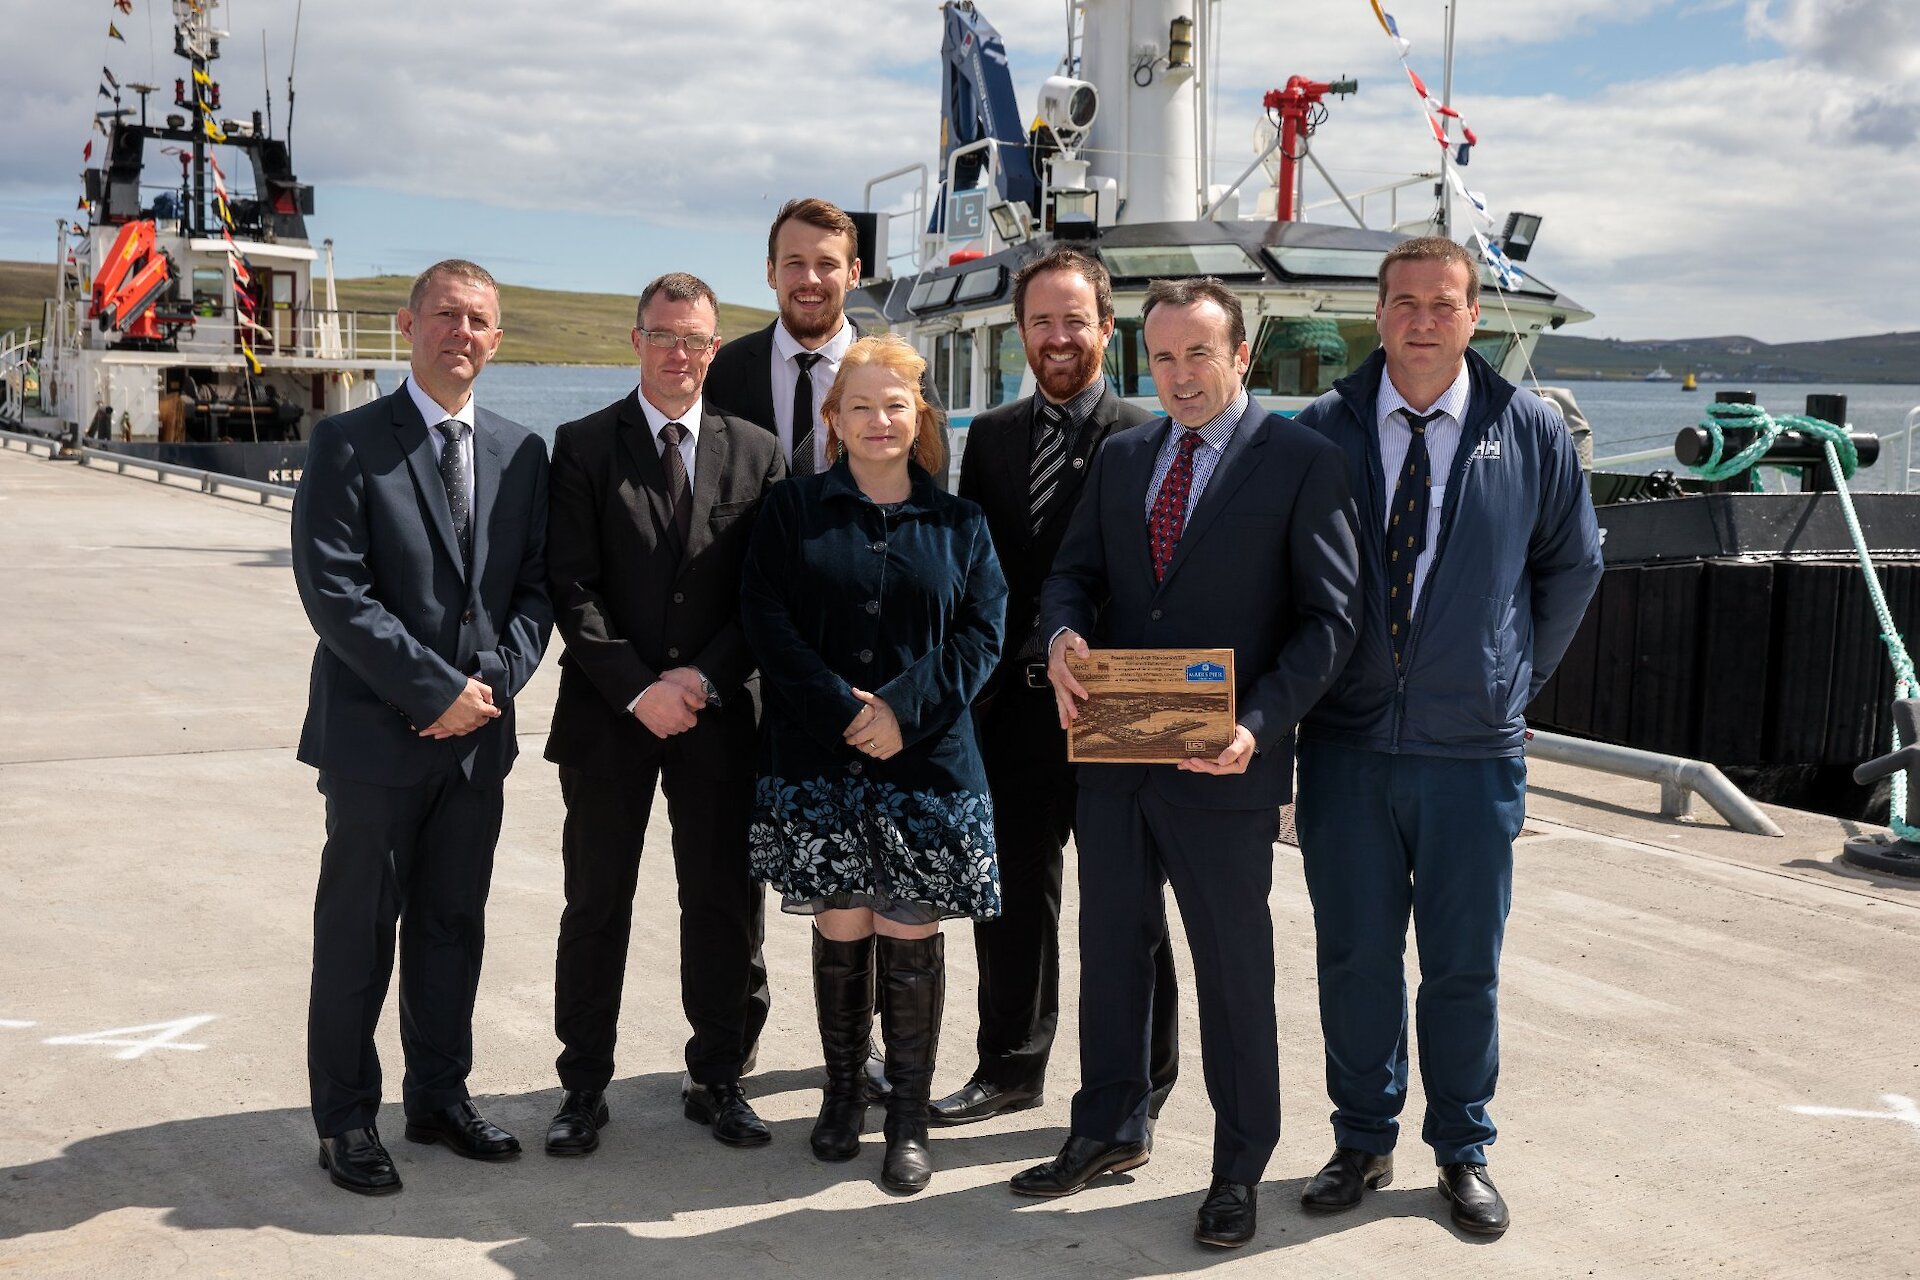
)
(1479, 552)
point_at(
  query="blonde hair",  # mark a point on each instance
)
(897, 356)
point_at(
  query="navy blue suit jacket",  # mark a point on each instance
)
(401, 625)
(1267, 566)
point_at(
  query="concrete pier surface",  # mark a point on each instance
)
(1711, 1041)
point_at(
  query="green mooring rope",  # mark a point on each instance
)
(1844, 459)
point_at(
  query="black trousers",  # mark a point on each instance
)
(421, 857)
(1034, 797)
(1220, 864)
(723, 976)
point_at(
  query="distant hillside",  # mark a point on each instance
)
(544, 326)
(1883, 357)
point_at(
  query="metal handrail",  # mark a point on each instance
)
(209, 481)
(918, 213)
(8, 439)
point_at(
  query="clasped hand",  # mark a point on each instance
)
(875, 731)
(473, 708)
(672, 703)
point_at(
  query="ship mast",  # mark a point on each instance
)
(195, 39)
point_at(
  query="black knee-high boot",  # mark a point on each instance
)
(843, 998)
(913, 988)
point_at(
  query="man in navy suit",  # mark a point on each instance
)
(1222, 527)
(419, 534)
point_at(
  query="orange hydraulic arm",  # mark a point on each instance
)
(134, 276)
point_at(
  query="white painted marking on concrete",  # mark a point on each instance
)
(1903, 1109)
(13, 1024)
(117, 1037)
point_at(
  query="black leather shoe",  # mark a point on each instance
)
(357, 1162)
(1477, 1206)
(726, 1109)
(1079, 1162)
(466, 1132)
(977, 1100)
(1341, 1181)
(575, 1127)
(1227, 1214)
(879, 1088)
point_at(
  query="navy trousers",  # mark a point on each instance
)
(1383, 836)
(1220, 864)
(421, 858)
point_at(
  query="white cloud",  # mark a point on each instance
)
(1762, 197)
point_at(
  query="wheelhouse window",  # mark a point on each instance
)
(1006, 364)
(1303, 355)
(1143, 262)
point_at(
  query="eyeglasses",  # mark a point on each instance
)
(667, 340)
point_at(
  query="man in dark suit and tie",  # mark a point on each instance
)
(1224, 527)
(419, 536)
(1025, 465)
(778, 376)
(653, 500)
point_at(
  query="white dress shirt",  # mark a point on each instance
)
(1443, 442)
(434, 415)
(786, 376)
(690, 420)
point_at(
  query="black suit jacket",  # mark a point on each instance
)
(994, 472)
(1267, 566)
(630, 604)
(401, 624)
(740, 383)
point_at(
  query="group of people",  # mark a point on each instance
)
(854, 687)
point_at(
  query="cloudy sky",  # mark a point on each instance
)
(1704, 166)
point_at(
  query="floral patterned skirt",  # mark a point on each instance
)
(833, 842)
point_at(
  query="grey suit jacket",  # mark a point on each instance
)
(401, 623)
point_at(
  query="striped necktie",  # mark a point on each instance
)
(803, 426)
(1049, 455)
(1407, 530)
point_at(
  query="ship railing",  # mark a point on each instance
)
(917, 213)
(1913, 421)
(1356, 204)
(309, 334)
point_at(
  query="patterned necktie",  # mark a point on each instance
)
(1049, 455)
(1169, 516)
(803, 425)
(1407, 530)
(679, 498)
(454, 475)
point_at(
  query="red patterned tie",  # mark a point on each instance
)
(1170, 505)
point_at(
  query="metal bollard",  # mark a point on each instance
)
(1889, 854)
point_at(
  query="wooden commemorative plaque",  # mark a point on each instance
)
(1152, 706)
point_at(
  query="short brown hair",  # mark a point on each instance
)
(815, 212)
(679, 287)
(460, 269)
(1063, 258)
(1432, 249)
(897, 356)
(1189, 292)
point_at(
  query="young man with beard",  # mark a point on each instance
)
(1024, 465)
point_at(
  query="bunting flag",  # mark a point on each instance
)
(107, 72)
(1503, 269)
(201, 77)
(82, 206)
(105, 94)
(246, 323)
(1431, 106)
(124, 6)
(86, 152)
(113, 33)
(213, 131)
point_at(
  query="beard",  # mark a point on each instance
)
(1062, 382)
(811, 326)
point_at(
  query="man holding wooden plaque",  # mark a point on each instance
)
(1223, 527)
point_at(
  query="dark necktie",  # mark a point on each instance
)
(454, 476)
(679, 495)
(1170, 505)
(803, 426)
(1049, 455)
(1407, 530)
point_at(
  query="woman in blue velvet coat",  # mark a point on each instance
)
(875, 607)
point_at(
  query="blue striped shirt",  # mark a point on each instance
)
(1206, 455)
